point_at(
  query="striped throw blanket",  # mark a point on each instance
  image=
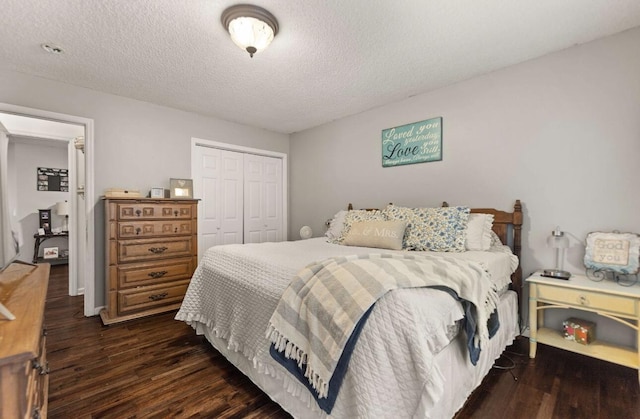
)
(323, 303)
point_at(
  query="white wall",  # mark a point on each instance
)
(138, 145)
(561, 133)
(23, 164)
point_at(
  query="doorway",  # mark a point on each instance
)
(81, 198)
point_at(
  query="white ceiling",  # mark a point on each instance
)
(331, 58)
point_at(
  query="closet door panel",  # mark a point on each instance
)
(263, 199)
(209, 178)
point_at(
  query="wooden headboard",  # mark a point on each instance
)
(508, 226)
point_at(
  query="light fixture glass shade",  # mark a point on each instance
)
(560, 242)
(252, 28)
(62, 208)
(557, 239)
(248, 33)
(306, 232)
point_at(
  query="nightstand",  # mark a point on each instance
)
(606, 298)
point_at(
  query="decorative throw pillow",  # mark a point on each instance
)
(479, 232)
(495, 239)
(435, 229)
(336, 225)
(380, 234)
(354, 216)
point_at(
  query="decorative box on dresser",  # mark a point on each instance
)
(606, 298)
(151, 254)
(24, 371)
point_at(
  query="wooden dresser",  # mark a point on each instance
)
(24, 371)
(151, 253)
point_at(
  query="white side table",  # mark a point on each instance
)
(606, 298)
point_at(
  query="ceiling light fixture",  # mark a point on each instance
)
(252, 28)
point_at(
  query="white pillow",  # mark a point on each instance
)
(479, 228)
(336, 225)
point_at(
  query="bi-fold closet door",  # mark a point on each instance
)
(241, 197)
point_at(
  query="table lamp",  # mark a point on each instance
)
(62, 208)
(558, 241)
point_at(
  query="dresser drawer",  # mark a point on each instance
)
(147, 298)
(151, 273)
(168, 228)
(588, 300)
(141, 250)
(150, 210)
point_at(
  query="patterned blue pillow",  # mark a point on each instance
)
(434, 229)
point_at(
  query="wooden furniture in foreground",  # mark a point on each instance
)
(24, 370)
(151, 253)
(606, 298)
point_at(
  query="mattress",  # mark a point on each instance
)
(394, 370)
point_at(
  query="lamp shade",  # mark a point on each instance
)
(62, 208)
(557, 239)
(306, 232)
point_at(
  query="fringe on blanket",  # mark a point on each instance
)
(291, 351)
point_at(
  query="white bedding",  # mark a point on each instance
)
(393, 371)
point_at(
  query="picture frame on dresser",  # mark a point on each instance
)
(180, 188)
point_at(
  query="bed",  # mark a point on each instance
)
(411, 358)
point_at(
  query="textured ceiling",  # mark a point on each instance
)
(331, 58)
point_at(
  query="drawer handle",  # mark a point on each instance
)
(157, 297)
(138, 212)
(176, 213)
(138, 230)
(157, 250)
(158, 274)
(583, 300)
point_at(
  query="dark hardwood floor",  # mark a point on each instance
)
(157, 367)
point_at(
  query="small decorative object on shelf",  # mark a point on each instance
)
(578, 330)
(181, 188)
(50, 253)
(121, 193)
(306, 232)
(45, 220)
(156, 193)
(613, 255)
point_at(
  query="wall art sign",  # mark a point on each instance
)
(50, 179)
(418, 142)
(615, 252)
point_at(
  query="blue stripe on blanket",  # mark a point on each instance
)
(335, 383)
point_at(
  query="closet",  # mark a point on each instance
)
(241, 196)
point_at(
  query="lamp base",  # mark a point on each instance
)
(556, 273)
